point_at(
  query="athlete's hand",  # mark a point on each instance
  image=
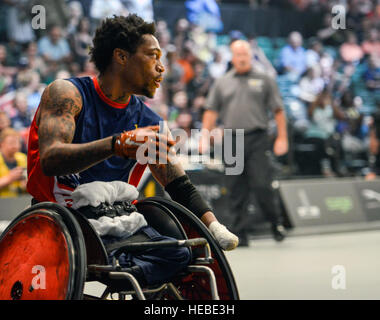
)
(153, 145)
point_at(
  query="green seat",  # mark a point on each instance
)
(264, 42)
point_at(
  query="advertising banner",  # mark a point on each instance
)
(326, 202)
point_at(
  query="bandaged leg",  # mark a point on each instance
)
(226, 239)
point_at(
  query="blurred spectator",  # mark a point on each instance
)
(203, 43)
(341, 78)
(55, 51)
(181, 34)
(143, 8)
(54, 48)
(200, 83)
(188, 143)
(19, 22)
(5, 81)
(89, 70)
(12, 164)
(323, 114)
(352, 128)
(5, 122)
(62, 74)
(162, 110)
(186, 60)
(30, 82)
(82, 41)
(35, 62)
(217, 67)
(314, 53)
(372, 73)
(311, 84)
(260, 62)
(57, 13)
(372, 44)
(351, 51)
(34, 89)
(197, 109)
(293, 56)
(180, 103)
(86, 6)
(164, 38)
(374, 16)
(5, 69)
(23, 118)
(75, 17)
(328, 35)
(101, 9)
(374, 144)
(23, 74)
(194, 58)
(174, 74)
(355, 15)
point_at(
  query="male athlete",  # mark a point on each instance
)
(87, 129)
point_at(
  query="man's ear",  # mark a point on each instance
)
(121, 56)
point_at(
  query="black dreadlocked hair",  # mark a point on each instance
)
(118, 32)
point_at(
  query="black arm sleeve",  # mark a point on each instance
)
(183, 191)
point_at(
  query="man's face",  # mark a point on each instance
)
(295, 40)
(55, 34)
(241, 56)
(144, 69)
(21, 103)
(10, 145)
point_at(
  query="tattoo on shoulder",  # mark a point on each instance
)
(61, 98)
(60, 103)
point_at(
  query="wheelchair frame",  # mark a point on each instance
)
(80, 256)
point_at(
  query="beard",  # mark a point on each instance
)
(148, 92)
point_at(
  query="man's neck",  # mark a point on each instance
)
(245, 73)
(8, 157)
(112, 88)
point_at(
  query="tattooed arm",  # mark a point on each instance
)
(60, 104)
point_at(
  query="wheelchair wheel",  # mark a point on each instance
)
(195, 286)
(42, 256)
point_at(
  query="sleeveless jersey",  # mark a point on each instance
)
(99, 118)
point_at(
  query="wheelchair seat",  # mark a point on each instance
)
(66, 251)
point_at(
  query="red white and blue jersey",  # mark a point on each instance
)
(99, 118)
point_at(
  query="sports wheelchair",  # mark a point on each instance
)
(62, 244)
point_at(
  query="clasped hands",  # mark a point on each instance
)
(145, 143)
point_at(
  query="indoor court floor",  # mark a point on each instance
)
(328, 266)
(308, 267)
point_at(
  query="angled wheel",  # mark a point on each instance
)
(196, 285)
(42, 255)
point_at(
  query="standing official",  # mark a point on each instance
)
(242, 99)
